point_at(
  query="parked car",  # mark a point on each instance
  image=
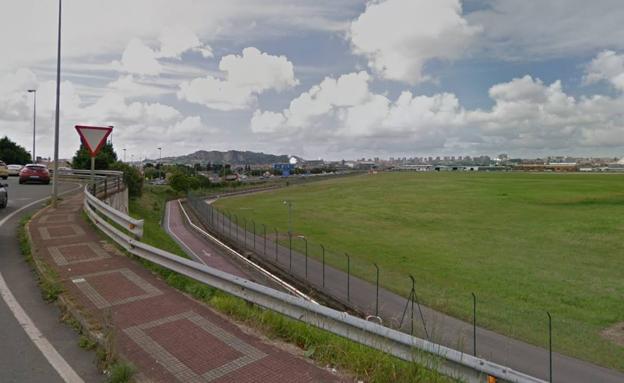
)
(34, 173)
(4, 171)
(14, 170)
(4, 195)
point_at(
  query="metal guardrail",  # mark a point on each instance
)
(404, 346)
(135, 226)
(107, 182)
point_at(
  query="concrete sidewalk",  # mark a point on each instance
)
(168, 336)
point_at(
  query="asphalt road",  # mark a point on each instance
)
(20, 359)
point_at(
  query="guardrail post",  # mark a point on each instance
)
(105, 187)
(474, 324)
(245, 233)
(323, 258)
(348, 277)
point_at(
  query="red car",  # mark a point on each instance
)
(34, 173)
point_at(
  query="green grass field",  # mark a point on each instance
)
(525, 243)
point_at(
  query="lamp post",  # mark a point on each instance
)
(289, 204)
(124, 149)
(34, 152)
(58, 107)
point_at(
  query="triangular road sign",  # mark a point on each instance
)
(93, 137)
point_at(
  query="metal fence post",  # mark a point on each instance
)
(236, 224)
(474, 324)
(276, 236)
(550, 347)
(254, 234)
(306, 257)
(323, 258)
(289, 251)
(377, 292)
(230, 223)
(348, 277)
(245, 233)
(264, 230)
(412, 309)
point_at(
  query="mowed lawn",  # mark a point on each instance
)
(524, 243)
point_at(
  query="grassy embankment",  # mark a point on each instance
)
(525, 243)
(325, 348)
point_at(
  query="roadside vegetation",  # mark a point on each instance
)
(325, 348)
(524, 243)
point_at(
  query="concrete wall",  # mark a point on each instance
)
(119, 201)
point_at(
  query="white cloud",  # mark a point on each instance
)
(246, 76)
(399, 36)
(527, 115)
(139, 59)
(345, 107)
(530, 115)
(176, 40)
(607, 66)
(267, 122)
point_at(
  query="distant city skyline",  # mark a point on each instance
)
(330, 79)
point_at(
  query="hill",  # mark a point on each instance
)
(233, 157)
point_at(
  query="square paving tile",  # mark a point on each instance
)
(226, 353)
(77, 253)
(56, 218)
(115, 287)
(60, 232)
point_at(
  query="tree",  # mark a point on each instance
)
(180, 182)
(103, 161)
(132, 178)
(12, 153)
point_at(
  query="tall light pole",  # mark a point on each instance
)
(58, 107)
(34, 92)
(124, 149)
(159, 162)
(289, 204)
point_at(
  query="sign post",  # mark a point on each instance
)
(94, 138)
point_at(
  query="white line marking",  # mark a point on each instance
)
(262, 270)
(49, 352)
(42, 343)
(178, 238)
(206, 253)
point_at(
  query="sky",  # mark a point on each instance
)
(332, 79)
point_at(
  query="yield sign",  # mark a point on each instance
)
(93, 137)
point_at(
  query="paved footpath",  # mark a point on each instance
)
(168, 336)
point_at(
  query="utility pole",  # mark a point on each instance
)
(58, 107)
(34, 152)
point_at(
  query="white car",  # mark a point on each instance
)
(14, 170)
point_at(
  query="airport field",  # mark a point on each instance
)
(524, 243)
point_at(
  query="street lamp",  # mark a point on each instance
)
(34, 92)
(58, 108)
(124, 149)
(289, 204)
